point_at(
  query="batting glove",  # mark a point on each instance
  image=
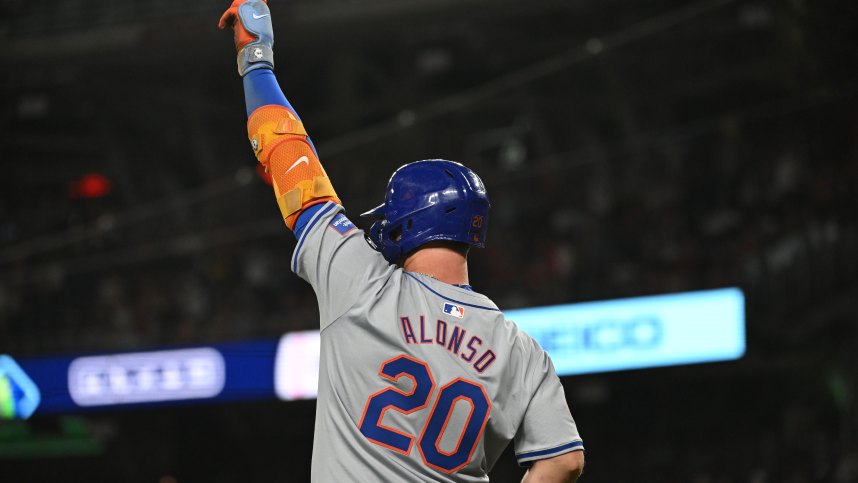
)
(254, 36)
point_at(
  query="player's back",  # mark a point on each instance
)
(418, 380)
(421, 381)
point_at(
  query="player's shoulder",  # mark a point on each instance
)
(521, 343)
(327, 238)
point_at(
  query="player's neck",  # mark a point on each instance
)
(439, 262)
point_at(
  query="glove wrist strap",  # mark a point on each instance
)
(255, 56)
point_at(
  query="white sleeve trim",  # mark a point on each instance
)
(531, 456)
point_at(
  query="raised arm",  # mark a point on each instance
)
(276, 133)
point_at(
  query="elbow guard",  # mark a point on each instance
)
(280, 143)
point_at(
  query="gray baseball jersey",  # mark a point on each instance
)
(419, 380)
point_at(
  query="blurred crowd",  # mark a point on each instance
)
(777, 220)
(774, 216)
(629, 148)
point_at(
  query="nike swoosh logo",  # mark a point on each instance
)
(257, 17)
(302, 159)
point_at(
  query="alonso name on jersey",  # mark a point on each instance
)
(450, 337)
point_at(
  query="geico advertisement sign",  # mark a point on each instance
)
(640, 332)
(140, 377)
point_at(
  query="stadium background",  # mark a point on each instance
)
(629, 147)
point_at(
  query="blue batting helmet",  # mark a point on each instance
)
(429, 200)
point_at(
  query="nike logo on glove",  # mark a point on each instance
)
(302, 159)
(257, 17)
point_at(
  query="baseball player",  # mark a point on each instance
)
(421, 378)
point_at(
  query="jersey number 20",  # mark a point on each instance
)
(430, 438)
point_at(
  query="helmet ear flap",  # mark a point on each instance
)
(380, 239)
(373, 237)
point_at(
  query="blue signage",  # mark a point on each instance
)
(145, 377)
(219, 372)
(634, 333)
(581, 338)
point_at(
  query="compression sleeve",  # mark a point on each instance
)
(262, 89)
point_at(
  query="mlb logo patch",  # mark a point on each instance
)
(455, 310)
(342, 225)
